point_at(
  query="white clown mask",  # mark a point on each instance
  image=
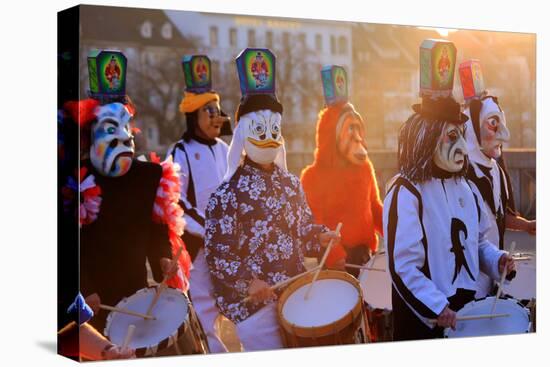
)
(493, 130)
(450, 153)
(112, 148)
(258, 134)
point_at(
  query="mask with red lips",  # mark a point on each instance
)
(112, 148)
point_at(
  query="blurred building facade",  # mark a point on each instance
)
(381, 60)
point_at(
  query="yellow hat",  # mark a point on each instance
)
(193, 101)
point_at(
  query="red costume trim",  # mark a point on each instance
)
(338, 191)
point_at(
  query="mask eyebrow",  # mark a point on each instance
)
(112, 122)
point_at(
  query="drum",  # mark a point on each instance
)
(376, 285)
(332, 314)
(517, 322)
(524, 285)
(176, 329)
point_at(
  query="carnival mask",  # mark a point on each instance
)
(450, 153)
(350, 138)
(112, 148)
(493, 130)
(263, 135)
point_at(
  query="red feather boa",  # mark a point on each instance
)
(167, 210)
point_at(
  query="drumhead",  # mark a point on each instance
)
(171, 312)
(376, 285)
(524, 285)
(329, 301)
(517, 323)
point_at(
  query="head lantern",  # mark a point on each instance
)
(432, 140)
(350, 129)
(258, 118)
(106, 119)
(112, 142)
(200, 103)
(487, 130)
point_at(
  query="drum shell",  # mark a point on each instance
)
(379, 320)
(350, 329)
(380, 324)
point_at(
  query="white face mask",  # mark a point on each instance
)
(263, 139)
(450, 153)
(112, 148)
(493, 130)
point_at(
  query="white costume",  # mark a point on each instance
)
(436, 238)
(203, 165)
(489, 178)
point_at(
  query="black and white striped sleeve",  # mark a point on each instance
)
(406, 244)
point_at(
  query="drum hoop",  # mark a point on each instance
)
(143, 351)
(509, 300)
(325, 329)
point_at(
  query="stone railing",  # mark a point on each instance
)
(521, 165)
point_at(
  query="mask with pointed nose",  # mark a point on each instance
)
(112, 148)
(450, 153)
(493, 130)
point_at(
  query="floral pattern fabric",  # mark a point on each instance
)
(258, 225)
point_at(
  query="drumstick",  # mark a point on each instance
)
(475, 317)
(502, 276)
(284, 282)
(162, 285)
(125, 311)
(329, 247)
(363, 267)
(129, 334)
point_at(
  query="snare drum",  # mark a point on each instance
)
(524, 285)
(176, 329)
(376, 285)
(517, 323)
(333, 313)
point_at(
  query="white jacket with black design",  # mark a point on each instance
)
(436, 239)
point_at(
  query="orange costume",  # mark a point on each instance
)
(340, 191)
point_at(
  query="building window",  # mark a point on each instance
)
(302, 39)
(251, 38)
(233, 37)
(332, 45)
(214, 36)
(269, 39)
(342, 45)
(319, 42)
(286, 40)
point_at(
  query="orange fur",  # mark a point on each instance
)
(338, 191)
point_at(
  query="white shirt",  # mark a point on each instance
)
(206, 165)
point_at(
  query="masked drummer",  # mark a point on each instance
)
(486, 132)
(128, 211)
(202, 157)
(341, 168)
(258, 224)
(436, 226)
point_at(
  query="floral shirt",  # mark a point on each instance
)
(257, 225)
